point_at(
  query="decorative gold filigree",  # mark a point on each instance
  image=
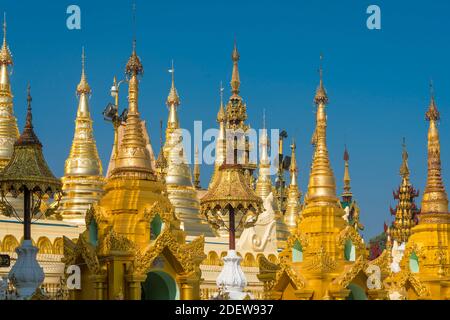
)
(321, 261)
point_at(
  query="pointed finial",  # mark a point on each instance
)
(347, 187)
(83, 59)
(293, 167)
(173, 98)
(346, 155)
(321, 94)
(4, 27)
(29, 99)
(221, 116)
(28, 137)
(235, 81)
(5, 54)
(432, 113)
(83, 87)
(404, 169)
(134, 24)
(221, 92)
(134, 65)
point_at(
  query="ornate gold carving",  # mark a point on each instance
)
(321, 261)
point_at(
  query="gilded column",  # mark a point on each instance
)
(134, 285)
(83, 180)
(8, 122)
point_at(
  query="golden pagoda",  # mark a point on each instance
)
(293, 199)
(325, 258)
(349, 204)
(180, 189)
(236, 116)
(221, 141)
(8, 122)
(406, 210)
(83, 180)
(426, 260)
(133, 247)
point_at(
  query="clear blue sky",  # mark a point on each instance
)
(377, 81)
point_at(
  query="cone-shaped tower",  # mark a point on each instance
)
(180, 189)
(83, 180)
(293, 198)
(349, 204)
(427, 253)
(264, 181)
(406, 210)
(133, 158)
(133, 229)
(8, 122)
(320, 255)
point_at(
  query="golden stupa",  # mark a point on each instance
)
(133, 247)
(178, 179)
(8, 122)
(325, 258)
(291, 215)
(83, 180)
(426, 259)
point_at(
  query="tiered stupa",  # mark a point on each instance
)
(325, 257)
(8, 123)
(133, 247)
(178, 178)
(425, 267)
(83, 180)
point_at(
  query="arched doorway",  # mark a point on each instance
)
(159, 285)
(356, 292)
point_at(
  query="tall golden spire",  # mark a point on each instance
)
(173, 101)
(347, 194)
(264, 182)
(5, 53)
(404, 168)
(133, 158)
(236, 109)
(221, 139)
(83, 180)
(235, 80)
(406, 210)
(322, 185)
(197, 170)
(9, 131)
(293, 205)
(435, 198)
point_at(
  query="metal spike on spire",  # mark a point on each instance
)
(235, 80)
(4, 27)
(28, 137)
(321, 94)
(173, 98)
(435, 199)
(221, 115)
(404, 168)
(347, 188)
(83, 87)
(5, 53)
